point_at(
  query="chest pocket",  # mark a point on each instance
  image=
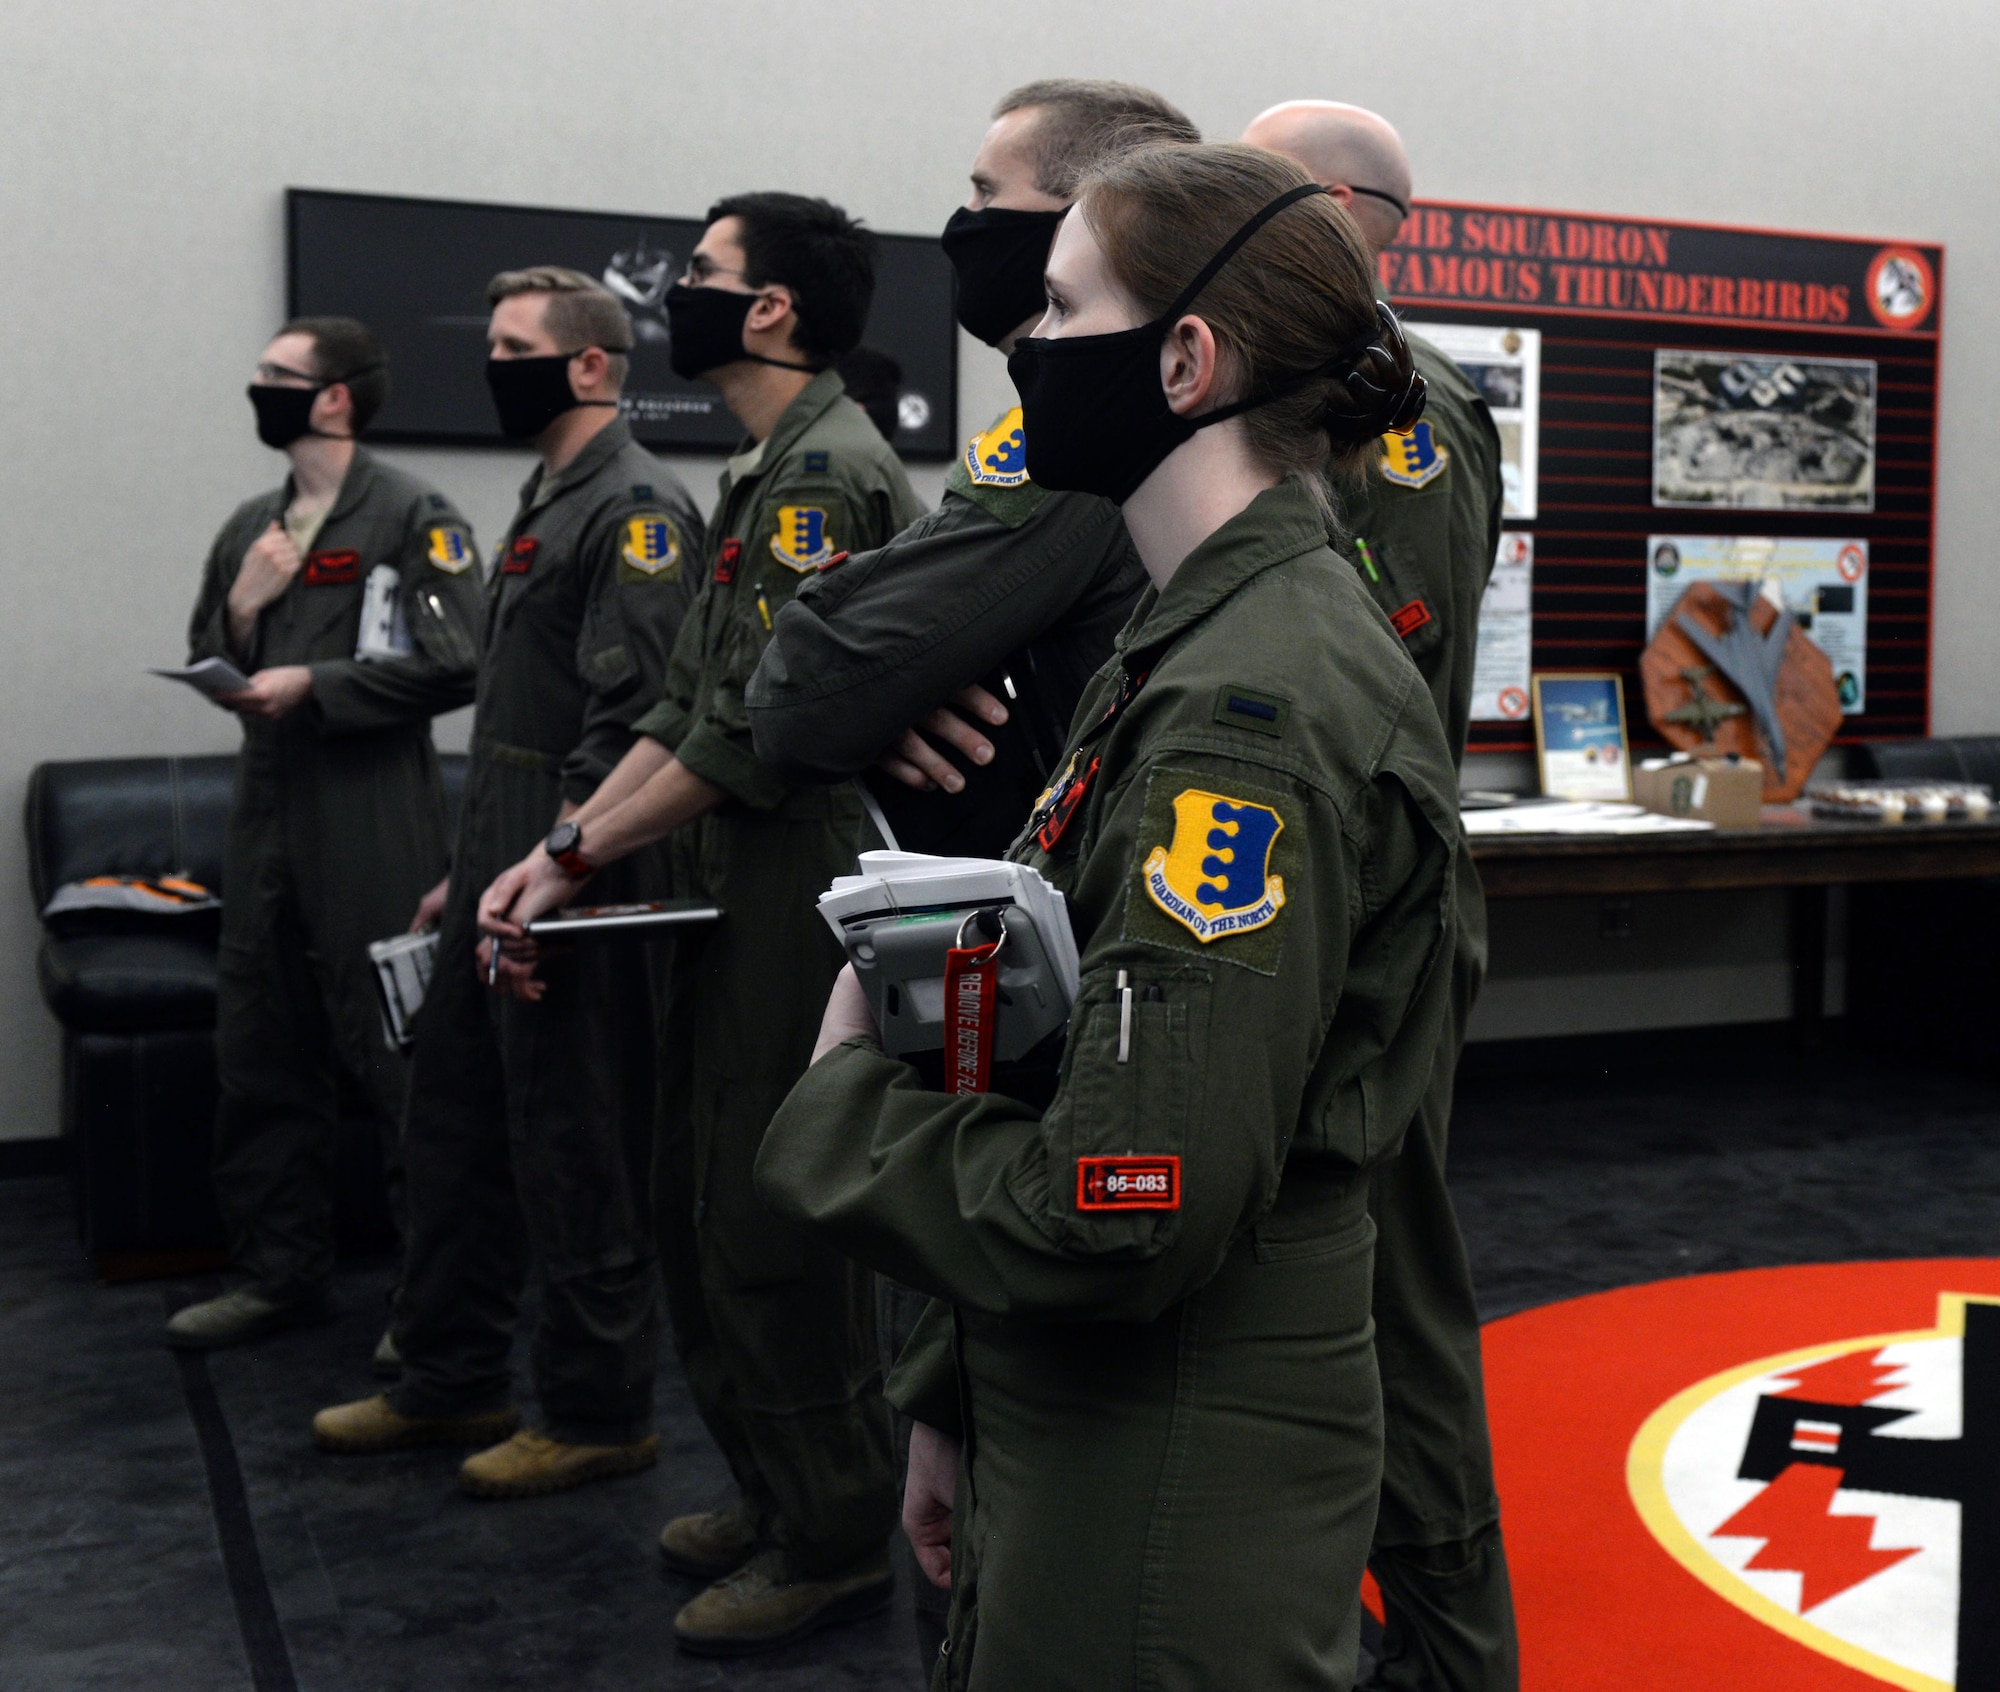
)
(1397, 585)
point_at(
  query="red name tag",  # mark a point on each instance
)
(520, 556)
(725, 561)
(1407, 619)
(332, 569)
(1128, 1183)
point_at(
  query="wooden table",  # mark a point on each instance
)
(1788, 849)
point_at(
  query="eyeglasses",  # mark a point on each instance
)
(281, 375)
(1401, 206)
(701, 269)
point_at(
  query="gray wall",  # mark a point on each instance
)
(146, 147)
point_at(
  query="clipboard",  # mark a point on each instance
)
(650, 919)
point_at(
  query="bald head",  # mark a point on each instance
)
(1347, 149)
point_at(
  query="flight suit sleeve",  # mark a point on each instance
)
(439, 595)
(924, 1382)
(208, 625)
(800, 523)
(865, 650)
(638, 561)
(1161, 1146)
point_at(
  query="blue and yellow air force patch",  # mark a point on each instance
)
(1416, 459)
(802, 542)
(451, 548)
(652, 545)
(999, 457)
(1215, 878)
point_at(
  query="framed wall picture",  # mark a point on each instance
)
(1580, 741)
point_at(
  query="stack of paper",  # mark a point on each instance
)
(909, 882)
(1576, 816)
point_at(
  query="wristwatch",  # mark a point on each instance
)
(561, 845)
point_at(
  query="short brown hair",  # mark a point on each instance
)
(345, 351)
(1085, 122)
(581, 312)
(1296, 294)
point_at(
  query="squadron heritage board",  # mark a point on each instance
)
(1740, 393)
(416, 271)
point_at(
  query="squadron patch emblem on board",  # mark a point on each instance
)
(999, 457)
(802, 542)
(652, 545)
(1414, 460)
(1215, 879)
(451, 548)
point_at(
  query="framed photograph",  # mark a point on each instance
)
(1505, 365)
(1580, 742)
(415, 271)
(1733, 430)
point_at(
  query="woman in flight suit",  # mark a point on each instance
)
(1155, 1379)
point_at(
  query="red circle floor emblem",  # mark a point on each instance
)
(1780, 1479)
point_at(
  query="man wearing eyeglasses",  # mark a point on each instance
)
(528, 1138)
(775, 1331)
(350, 598)
(1422, 535)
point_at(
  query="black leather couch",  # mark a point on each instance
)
(1921, 981)
(136, 1000)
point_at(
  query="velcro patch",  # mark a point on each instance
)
(816, 461)
(450, 548)
(520, 556)
(1246, 708)
(332, 569)
(727, 556)
(998, 458)
(803, 541)
(1128, 1183)
(1407, 619)
(1212, 867)
(651, 547)
(1416, 459)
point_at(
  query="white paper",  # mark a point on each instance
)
(1582, 817)
(1506, 633)
(1505, 365)
(385, 631)
(212, 676)
(1823, 583)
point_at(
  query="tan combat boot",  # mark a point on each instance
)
(764, 1605)
(531, 1464)
(374, 1424)
(713, 1544)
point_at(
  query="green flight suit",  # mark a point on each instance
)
(336, 831)
(1423, 542)
(1005, 582)
(536, 1118)
(1165, 1380)
(776, 1331)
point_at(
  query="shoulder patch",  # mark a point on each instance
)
(1416, 459)
(998, 458)
(439, 503)
(1210, 869)
(650, 549)
(816, 461)
(642, 490)
(803, 541)
(1246, 708)
(451, 548)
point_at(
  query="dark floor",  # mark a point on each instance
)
(168, 1526)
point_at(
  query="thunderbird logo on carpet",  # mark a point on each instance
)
(1846, 1495)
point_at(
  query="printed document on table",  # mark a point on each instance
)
(1506, 632)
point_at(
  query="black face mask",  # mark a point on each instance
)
(999, 256)
(706, 330)
(531, 393)
(1096, 418)
(284, 415)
